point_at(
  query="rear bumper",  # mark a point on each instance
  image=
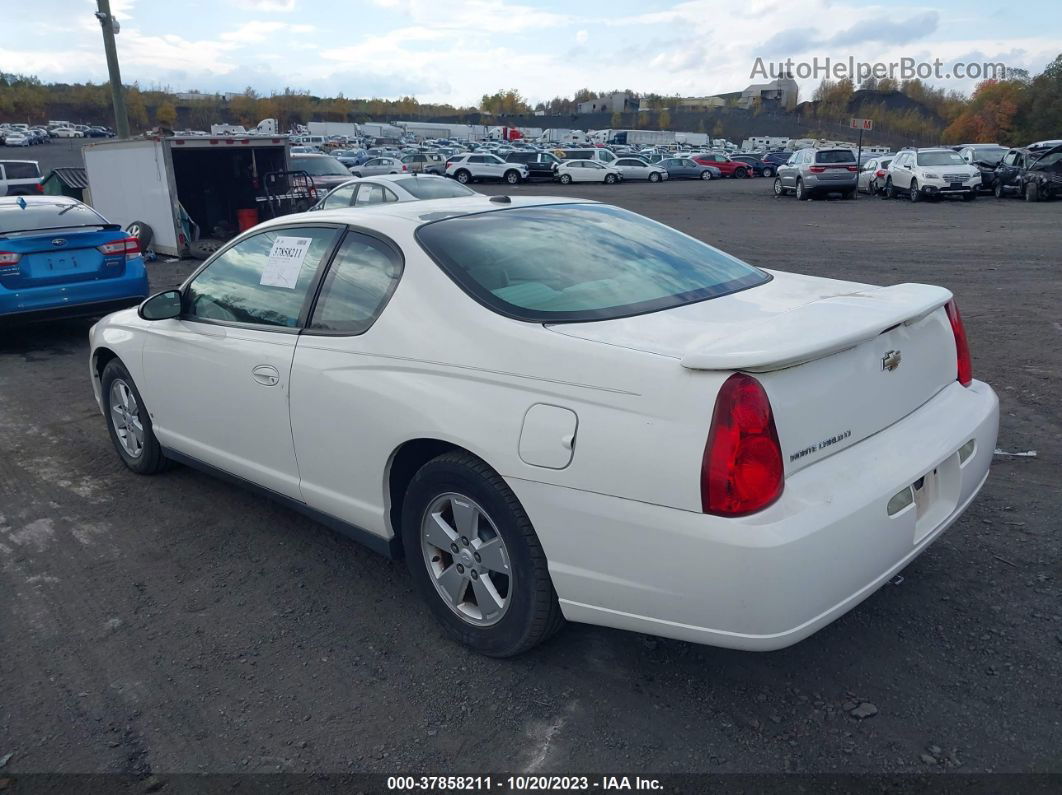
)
(769, 580)
(818, 185)
(75, 299)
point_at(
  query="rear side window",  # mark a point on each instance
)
(361, 279)
(262, 280)
(39, 216)
(22, 170)
(340, 197)
(835, 156)
(578, 262)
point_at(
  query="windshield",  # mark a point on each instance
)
(940, 159)
(989, 154)
(321, 166)
(579, 262)
(428, 188)
(1049, 160)
(36, 216)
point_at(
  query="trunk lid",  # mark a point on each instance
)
(63, 256)
(840, 361)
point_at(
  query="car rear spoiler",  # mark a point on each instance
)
(815, 330)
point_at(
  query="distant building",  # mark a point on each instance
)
(699, 103)
(619, 102)
(195, 96)
(782, 94)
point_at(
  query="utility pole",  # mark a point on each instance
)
(110, 28)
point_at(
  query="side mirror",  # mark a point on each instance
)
(161, 306)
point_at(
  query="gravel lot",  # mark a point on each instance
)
(180, 624)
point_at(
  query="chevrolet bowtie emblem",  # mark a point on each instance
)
(890, 361)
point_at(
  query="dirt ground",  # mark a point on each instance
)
(180, 624)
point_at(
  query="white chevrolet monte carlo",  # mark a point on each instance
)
(557, 409)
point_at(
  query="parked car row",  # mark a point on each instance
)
(1033, 172)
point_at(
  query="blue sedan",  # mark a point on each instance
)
(60, 258)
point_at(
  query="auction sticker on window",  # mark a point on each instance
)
(285, 262)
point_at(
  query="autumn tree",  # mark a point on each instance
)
(990, 115)
(504, 103)
(166, 115)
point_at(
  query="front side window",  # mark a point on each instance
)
(361, 279)
(579, 262)
(262, 280)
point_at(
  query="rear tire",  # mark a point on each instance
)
(768, 171)
(463, 177)
(706, 175)
(801, 194)
(513, 583)
(129, 422)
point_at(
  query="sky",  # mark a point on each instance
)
(454, 51)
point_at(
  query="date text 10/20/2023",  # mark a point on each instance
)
(522, 783)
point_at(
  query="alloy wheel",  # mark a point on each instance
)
(125, 414)
(467, 559)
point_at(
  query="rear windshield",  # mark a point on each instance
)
(21, 170)
(579, 262)
(38, 217)
(835, 156)
(940, 159)
(989, 154)
(434, 188)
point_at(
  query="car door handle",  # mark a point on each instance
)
(266, 375)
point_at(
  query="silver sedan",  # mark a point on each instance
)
(636, 168)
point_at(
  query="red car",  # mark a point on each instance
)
(730, 168)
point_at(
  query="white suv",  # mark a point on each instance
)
(921, 173)
(479, 165)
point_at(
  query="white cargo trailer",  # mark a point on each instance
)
(163, 182)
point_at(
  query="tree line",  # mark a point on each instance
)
(1017, 109)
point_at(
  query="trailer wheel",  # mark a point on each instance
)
(141, 232)
(205, 248)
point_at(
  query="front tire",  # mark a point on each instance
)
(129, 422)
(913, 193)
(610, 179)
(565, 179)
(512, 177)
(654, 177)
(741, 173)
(768, 171)
(778, 189)
(1032, 192)
(998, 190)
(475, 558)
(890, 189)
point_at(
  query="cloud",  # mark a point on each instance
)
(888, 31)
(581, 37)
(265, 5)
(260, 30)
(790, 42)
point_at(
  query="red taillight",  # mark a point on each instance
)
(129, 246)
(964, 373)
(853, 168)
(817, 169)
(39, 187)
(405, 168)
(879, 173)
(742, 471)
(9, 261)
